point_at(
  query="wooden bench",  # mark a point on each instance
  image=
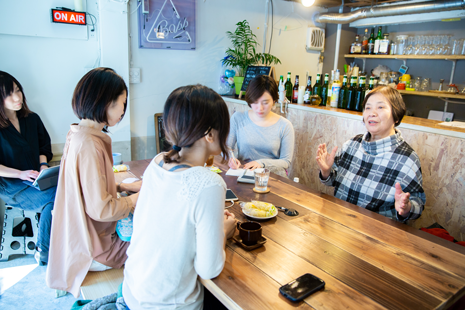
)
(101, 283)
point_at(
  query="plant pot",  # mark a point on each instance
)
(238, 80)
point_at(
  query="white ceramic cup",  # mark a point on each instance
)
(117, 159)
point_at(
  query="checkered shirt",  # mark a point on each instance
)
(365, 173)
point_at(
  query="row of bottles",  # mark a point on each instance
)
(372, 45)
(332, 92)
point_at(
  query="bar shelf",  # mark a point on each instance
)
(401, 57)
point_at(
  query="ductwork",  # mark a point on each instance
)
(391, 10)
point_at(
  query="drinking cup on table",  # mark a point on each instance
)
(249, 232)
(209, 162)
(261, 179)
(117, 159)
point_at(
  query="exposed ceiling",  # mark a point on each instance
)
(349, 3)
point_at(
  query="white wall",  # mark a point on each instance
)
(164, 70)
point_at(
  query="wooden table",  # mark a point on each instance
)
(367, 260)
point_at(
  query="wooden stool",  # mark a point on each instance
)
(101, 283)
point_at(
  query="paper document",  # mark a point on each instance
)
(240, 172)
(453, 124)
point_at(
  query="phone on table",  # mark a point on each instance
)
(302, 287)
(230, 196)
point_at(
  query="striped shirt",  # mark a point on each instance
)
(365, 173)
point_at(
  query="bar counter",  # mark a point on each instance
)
(440, 149)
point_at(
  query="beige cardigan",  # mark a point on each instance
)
(86, 210)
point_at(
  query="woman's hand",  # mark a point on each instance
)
(43, 167)
(28, 175)
(234, 163)
(402, 203)
(134, 198)
(131, 187)
(229, 224)
(324, 160)
(252, 165)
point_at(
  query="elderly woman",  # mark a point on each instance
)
(263, 138)
(378, 170)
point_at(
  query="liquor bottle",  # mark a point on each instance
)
(384, 45)
(335, 90)
(295, 90)
(342, 103)
(371, 42)
(356, 46)
(360, 94)
(324, 91)
(330, 85)
(317, 86)
(370, 85)
(281, 90)
(308, 91)
(377, 41)
(365, 42)
(350, 94)
(288, 87)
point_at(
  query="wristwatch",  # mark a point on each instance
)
(44, 163)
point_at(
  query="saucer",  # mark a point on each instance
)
(259, 243)
(262, 192)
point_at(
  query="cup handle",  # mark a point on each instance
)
(238, 224)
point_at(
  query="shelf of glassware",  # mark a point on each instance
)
(445, 57)
(431, 94)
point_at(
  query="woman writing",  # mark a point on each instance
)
(378, 170)
(25, 150)
(263, 138)
(87, 208)
(180, 226)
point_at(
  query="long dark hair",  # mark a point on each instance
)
(190, 113)
(7, 87)
(95, 92)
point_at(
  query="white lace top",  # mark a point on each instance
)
(178, 235)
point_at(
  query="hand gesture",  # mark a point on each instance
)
(324, 160)
(229, 224)
(234, 163)
(252, 165)
(402, 203)
(29, 175)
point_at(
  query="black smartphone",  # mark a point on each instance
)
(230, 196)
(300, 288)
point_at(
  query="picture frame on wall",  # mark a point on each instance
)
(167, 24)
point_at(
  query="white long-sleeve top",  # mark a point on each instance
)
(178, 235)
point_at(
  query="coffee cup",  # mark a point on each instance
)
(249, 232)
(117, 159)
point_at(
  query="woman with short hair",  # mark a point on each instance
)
(87, 208)
(263, 139)
(378, 170)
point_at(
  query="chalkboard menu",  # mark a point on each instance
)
(253, 71)
(160, 140)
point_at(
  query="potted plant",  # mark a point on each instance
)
(243, 53)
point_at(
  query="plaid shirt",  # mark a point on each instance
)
(365, 173)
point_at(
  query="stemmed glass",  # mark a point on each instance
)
(445, 42)
(431, 47)
(439, 48)
(424, 46)
(409, 49)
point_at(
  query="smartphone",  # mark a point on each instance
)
(303, 286)
(230, 196)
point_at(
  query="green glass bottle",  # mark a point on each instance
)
(378, 40)
(370, 85)
(360, 94)
(324, 91)
(342, 103)
(288, 87)
(371, 42)
(350, 94)
(317, 86)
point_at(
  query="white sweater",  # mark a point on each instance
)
(178, 235)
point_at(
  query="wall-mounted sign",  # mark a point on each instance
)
(69, 17)
(168, 24)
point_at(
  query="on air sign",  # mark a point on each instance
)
(68, 17)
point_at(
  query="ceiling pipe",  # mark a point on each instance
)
(391, 10)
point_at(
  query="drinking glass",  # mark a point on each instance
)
(463, 47)
(438, 48)
(261, 179)
(425, 84)
(417, 85)
(431, 47)
(445, 42)
(423, 45)
(456, 47)
(409, 50)
(417, 46)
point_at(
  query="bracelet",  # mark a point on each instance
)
(118, 187)
(44, 163)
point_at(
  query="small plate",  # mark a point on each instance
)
(261, 218)
(259, 243)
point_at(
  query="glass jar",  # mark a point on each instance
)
(401, 44)
(393, 50)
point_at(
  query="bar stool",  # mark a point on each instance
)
(20, 238)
